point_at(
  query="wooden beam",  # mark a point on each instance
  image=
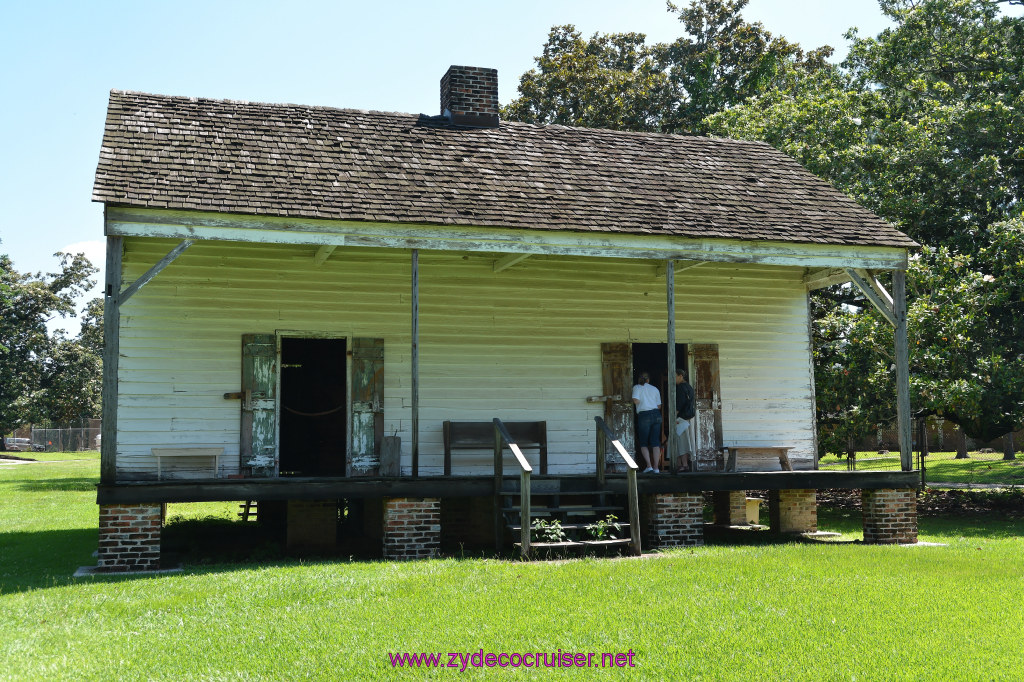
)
(508, 261)
(130, 290)
(670, 427)
(323, 253)
(899, 296)
(825, 277)
(111, 339)
(415, 361)
(876, 300)
(680, 266)
(772, 480)
(870, 278)
(305, 488)
(170, 223)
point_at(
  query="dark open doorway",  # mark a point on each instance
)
(653, 359)
(313, 407)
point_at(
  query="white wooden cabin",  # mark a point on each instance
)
(299, 289)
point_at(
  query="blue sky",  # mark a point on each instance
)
(62, 58)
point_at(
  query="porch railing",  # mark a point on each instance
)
(604, 436)
(502, 438)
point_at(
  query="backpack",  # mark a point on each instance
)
(687, 410)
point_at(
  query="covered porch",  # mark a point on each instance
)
(392, 424)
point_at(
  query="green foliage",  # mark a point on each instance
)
(71, 383)
(607, 528)
(91, 333)
(618, 81)
(29, 358)
(609, 81)
(925, 125)
(547, 531)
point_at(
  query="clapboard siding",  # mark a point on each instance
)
(523, 344)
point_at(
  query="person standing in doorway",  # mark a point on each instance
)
(647, 399)
(686, 404)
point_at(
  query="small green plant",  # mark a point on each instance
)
(605, 529)
(547, 531)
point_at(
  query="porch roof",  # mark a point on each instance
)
(307, 162)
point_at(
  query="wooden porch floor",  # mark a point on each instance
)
(210, 490)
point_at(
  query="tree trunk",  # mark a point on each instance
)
(961, 444)
(1008, 454)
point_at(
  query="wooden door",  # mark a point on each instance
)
(367, 406)
(258, 453)
(617, 380)
(708, 421)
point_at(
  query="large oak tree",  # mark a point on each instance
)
(923, 123)
(30, 360)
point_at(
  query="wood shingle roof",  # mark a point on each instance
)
(317, 162)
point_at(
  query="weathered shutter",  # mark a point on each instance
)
(259, 391)
(707, 387)
(617, 379)
(367, 406)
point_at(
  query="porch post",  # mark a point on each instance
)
(415, 361)
(111, 326)
(899, 299)
(670, 297)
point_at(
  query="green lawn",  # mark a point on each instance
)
(749, 610)
(942, 467)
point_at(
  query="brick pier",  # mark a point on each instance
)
(129, 537)
(793, 511)
(412, 527)
(730, 507)
(890, 516)
(674, 519)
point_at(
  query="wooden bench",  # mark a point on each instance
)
(206, 453)
(756, 458)
(480, 436)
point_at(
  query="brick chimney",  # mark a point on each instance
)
(469, 96)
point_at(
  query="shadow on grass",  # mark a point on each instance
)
(742, 537)
(80, 484)
(980, 526)
(44, 559)
(32, 560)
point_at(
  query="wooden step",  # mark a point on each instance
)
(575, 546)
(249, 509)
(561, 493)
(568, 509)
(565, 526)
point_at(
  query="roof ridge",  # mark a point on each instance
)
(221, 100)
(438, 117)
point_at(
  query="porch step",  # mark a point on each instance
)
(565, 526)
(572, 504)
(563, 493)
(575, 509)
(248, 510)
(575, 547)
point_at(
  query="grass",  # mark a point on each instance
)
(754, 609)
(942, 467)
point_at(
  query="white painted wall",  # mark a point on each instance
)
(523, 344)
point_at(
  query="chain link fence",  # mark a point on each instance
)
(65, 440)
